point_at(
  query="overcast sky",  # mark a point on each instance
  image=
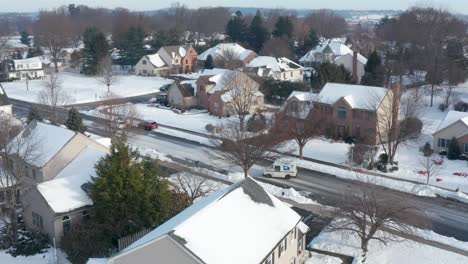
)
(35, 5)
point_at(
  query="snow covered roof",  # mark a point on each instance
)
(64, 192)
(34, 63)
(357, 96)
(336, 46)
(239, 224)
(156, 60)
(180, 50)
(223, 48)
(302, 96)
(43, 141)
(451, 118)
(275, 64)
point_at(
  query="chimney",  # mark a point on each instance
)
(355, 73)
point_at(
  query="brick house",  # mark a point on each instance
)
(454, 125)
(344, 110)
(180, 59)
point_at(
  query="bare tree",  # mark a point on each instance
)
(236, 147)
(242, 95)
(17, 151)
(326, 23)
(194, 186)
(54, 97)
(118, 117)
(53, 31)
(430, 168)
(366, 214)
(105, 75)
(277, 47)
(229, 58)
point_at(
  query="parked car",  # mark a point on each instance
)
(281, 169)
(148, 125)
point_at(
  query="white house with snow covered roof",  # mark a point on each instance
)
(58, 162)
(239, 224)
(282, 69)
(357, 111)
(454, 125)
(335, 51)
(151, 65)
(226, 53)
(23, 69)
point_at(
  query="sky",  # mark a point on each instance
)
(460, 6)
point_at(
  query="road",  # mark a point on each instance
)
(448, 218)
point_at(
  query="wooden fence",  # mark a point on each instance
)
(125, 241)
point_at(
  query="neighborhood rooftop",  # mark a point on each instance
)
(224, 50)
(452, 117)
(275, 64)
(357, 96)
(219, 227)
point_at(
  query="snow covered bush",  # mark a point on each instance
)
(453, 151)
(29, 242)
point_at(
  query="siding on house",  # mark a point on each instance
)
(458, 130)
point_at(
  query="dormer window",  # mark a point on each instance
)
(144, 62)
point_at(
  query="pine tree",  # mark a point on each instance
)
(165, 38)
(258, 34)
(309, 43)
(132, 46)
(128, 193)
(34, 52)
(453, 150)
(96, 47)
(283, 28)
(236, 28)
(209, 63)
(34, 115)
(25, 38)
(74, 121)
(330, 72)
(374, 73)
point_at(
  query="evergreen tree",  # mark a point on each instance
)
(165, 38)
(74, 121)
(34, 115)
(236, 28)
(132, 46)
(209, 63)
(453, 150)
(330, 72)
(309, 43)
(258, 34)
(283, 27)
(96, 47)
(128, 193)
(374, 73)
(34, 52)
(25, 38)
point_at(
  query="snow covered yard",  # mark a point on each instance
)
(85, 89)
(404, 252)
(46, 258)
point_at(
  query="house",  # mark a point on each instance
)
(182, 95)
(335, 51)
(224, 54)
(151, 65)
(239, 224)
(344, 110)
(5, 106)
(30, 69)
(454, 125)
(62, 162)
(215, 93)
(180, 59)
(278, 68)
(299, 104)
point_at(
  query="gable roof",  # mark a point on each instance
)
(180, 50)
(222, 48)
(357, 96)
(302, 96)
(451, 118)
(236, 219)
(275, 64)
(3, 97)
(43, 141)
(156, 60)
(64, 192)
(335, 46)
(186, 88)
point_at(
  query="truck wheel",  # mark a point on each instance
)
(268, 175)
(288, 176)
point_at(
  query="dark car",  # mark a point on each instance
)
(148, 125)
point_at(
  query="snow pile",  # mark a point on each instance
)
(45, 258)
(64, 193)
(290, 193)
(40, 142)
(318, 258)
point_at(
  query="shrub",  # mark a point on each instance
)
(427, 151)
(256, 123)
(442, 107)
(443, 153)
(29, 242)
(381, 167)
(383, 158)
(453, 151)
(411, 127)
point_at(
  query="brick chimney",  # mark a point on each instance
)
(355, 70)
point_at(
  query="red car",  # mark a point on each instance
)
(149, 125)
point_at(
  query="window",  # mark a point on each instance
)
(443, 143)
(145, 72)
(34, 175)
(291, 74)
(186, 61)
(37, 220)
(201, 88)
(357, 114)
(293, 107)
(282, 246)
(66, 224)
(277, 168)
(357, 132)
(328, 109)
(144, 62)
(465, 148)
(270, 259)
(341, 112)
(370, 115)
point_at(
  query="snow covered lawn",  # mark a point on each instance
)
(318, 258)
(407, 251)
(84, 89)
(321, 149)
(46, 258)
